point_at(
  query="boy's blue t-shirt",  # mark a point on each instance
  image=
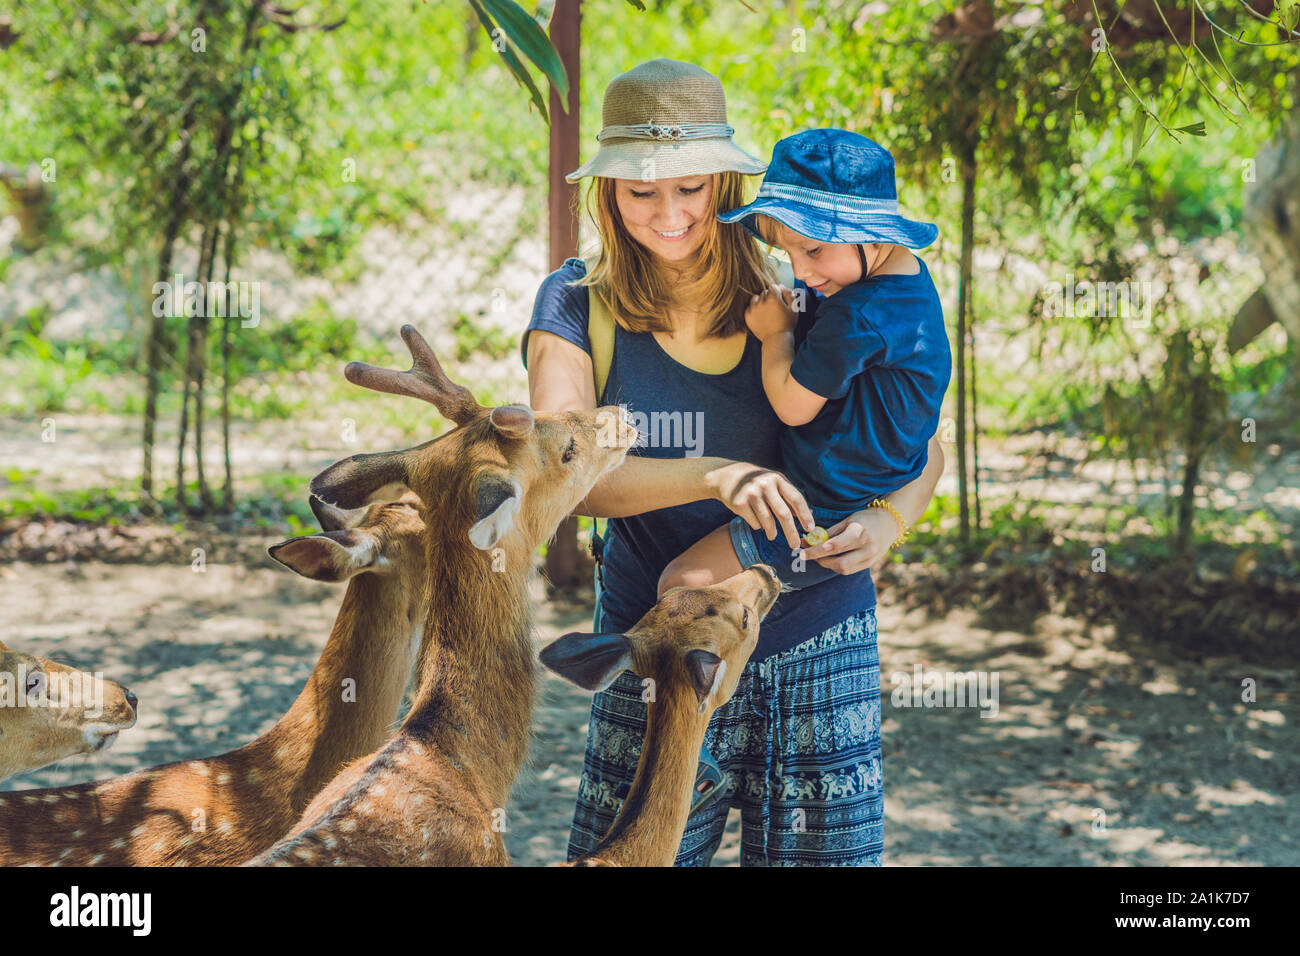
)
(878, 352)
(686, 413)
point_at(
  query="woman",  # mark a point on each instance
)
(800, 741)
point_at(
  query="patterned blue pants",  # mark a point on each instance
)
(799, 745)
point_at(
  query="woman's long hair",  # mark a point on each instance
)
(728, 267)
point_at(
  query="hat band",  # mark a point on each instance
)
(674, 131)
(824, 200)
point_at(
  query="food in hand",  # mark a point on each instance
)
(816, 536)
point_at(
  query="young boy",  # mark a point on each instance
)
(863, 390)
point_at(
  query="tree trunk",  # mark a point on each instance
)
(158, 325)
(1272, 225)
(227, 487)
(200, 371)
(566, 33)
(190, 373)
(967, 160)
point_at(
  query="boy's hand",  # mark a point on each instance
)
(860, 541)
(770, 312)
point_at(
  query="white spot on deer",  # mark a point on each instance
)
(138, 831)
(29, 799)
(65, 854)
(223, 779)
(94, 860)
(51, 798)
(252, 776)
(200, 768)
(117, 844)
(303, 853)
(77, 834)
(347, 825)
(225, 826)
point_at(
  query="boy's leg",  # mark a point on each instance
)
(707, 561)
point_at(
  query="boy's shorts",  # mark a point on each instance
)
(752, 547)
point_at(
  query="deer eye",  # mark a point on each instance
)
(570, 451)
(744, 619)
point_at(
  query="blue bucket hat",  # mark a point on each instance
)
(833, 186)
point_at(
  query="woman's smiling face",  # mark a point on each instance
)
(667, 216)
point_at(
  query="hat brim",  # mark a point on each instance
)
(827, 226)
(648, 160)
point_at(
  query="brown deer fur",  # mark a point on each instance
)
(495, 488)
(692, 646)
(225, 809)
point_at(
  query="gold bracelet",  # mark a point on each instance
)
(904, 530)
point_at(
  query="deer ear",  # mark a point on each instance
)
(331, 518)
(332, 556)
(364, 479)
(706, 670)
(591, 661)
(497, 500)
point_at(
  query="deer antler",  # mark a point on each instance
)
(424, 380)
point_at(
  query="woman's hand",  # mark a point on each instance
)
(771, 313)
(763, 497)
(860, 541)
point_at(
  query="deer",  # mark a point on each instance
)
(495, 487)
(689, 649)
(50, 711)
(225, 809)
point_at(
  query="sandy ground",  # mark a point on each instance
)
(1096, 756)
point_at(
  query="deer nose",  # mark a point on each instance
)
(131, 699)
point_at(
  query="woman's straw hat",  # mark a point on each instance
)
(664, 119)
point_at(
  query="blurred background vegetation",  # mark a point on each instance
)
(369, 163)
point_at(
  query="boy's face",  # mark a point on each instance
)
(825, 266)
(667, 216)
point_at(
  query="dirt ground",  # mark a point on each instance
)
(1095, 757)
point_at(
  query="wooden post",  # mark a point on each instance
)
(566, 35)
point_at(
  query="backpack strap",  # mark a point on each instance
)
(600, 330)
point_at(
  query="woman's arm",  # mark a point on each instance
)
(862, 540)
(560, 378)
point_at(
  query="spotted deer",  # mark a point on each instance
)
(689, 649)
(225, 809)
(495, 487)
(49, 711)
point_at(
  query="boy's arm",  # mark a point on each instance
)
(772, 320)
(793, 403)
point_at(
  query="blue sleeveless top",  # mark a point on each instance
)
(679, 413)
